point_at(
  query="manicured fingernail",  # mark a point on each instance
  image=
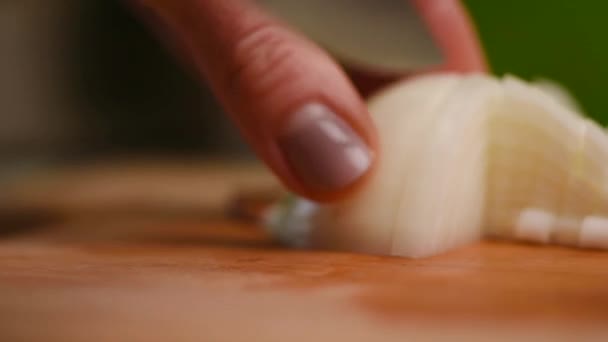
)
(322, 150)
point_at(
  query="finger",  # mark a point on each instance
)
(293, 104)
(454, 32)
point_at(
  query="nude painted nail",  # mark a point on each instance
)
(323, 151)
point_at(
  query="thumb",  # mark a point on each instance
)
(292, 103)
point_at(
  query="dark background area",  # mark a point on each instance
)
(142, 98)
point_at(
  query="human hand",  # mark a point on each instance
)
(295, 106)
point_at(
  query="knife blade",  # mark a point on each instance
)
(378, 35)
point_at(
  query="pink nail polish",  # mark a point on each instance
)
(323, 150)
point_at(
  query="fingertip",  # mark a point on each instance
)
(454, 31)
(323, 152)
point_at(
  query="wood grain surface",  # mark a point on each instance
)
(146, 277)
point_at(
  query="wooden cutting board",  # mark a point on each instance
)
(145, 277)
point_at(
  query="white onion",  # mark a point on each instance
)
(467, 156)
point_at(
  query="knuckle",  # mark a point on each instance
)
(263, 59)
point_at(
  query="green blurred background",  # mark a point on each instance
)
(560, 40)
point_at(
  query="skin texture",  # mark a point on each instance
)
(262, 72)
